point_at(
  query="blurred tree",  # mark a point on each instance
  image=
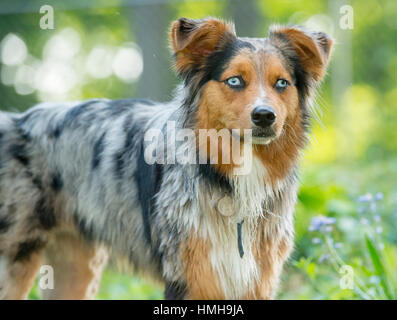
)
(151, 23)
(239, 10)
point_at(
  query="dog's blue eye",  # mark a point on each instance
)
(281, 84)
(235, 82)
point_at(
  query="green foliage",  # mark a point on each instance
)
(354, 242)
(379, 269)
(121, 286)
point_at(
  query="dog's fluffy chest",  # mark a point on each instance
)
(252, 201)
(193, 208)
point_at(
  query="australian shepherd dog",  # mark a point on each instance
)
(83, 181)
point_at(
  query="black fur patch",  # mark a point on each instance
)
(175, 291)
(25, 249)
(119, 107)
(18, 151)
(217, 62)
(45, 214)
(25, 135)
(72, 116)
(5, 224)
(99, 146)
(121, 157)
(214, 178)
(26, 117)
(37, 182)
(128, 103)
(84, 228)
(148, 178)
(56, 182)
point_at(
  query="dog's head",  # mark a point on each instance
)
(263, 84)
(248, 83)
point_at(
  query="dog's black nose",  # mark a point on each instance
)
(263, 116)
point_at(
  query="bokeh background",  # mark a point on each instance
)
(119, 49)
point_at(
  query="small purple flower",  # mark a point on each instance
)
(377, 218)
(320, 223)
(316, 241)
(365, 198)
(379, 196)
(379, 229)
(338, 245)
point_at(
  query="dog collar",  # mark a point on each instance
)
(225, 206)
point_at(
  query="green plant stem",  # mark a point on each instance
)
(338, 262)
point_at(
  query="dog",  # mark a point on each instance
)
(76, 186)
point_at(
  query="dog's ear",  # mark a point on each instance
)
(313, 49)
(192, 41)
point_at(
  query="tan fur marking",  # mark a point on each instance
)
(201, 280)
(279, 156)
(270, 255)
(77, 270)
(18, 277)
(313, 50)
(222, 107)
(191, 47)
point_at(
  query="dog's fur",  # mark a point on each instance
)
(74, 183)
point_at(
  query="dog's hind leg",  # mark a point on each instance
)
(22, 241)
(77, 267)
(17, 274)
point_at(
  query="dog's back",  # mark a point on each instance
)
(67, 173)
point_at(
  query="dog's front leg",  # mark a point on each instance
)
(17, 275)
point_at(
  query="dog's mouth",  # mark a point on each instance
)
(263, 135)
(259, 135)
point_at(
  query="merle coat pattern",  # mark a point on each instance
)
(75, 187)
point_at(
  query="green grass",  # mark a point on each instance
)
(121, 286)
